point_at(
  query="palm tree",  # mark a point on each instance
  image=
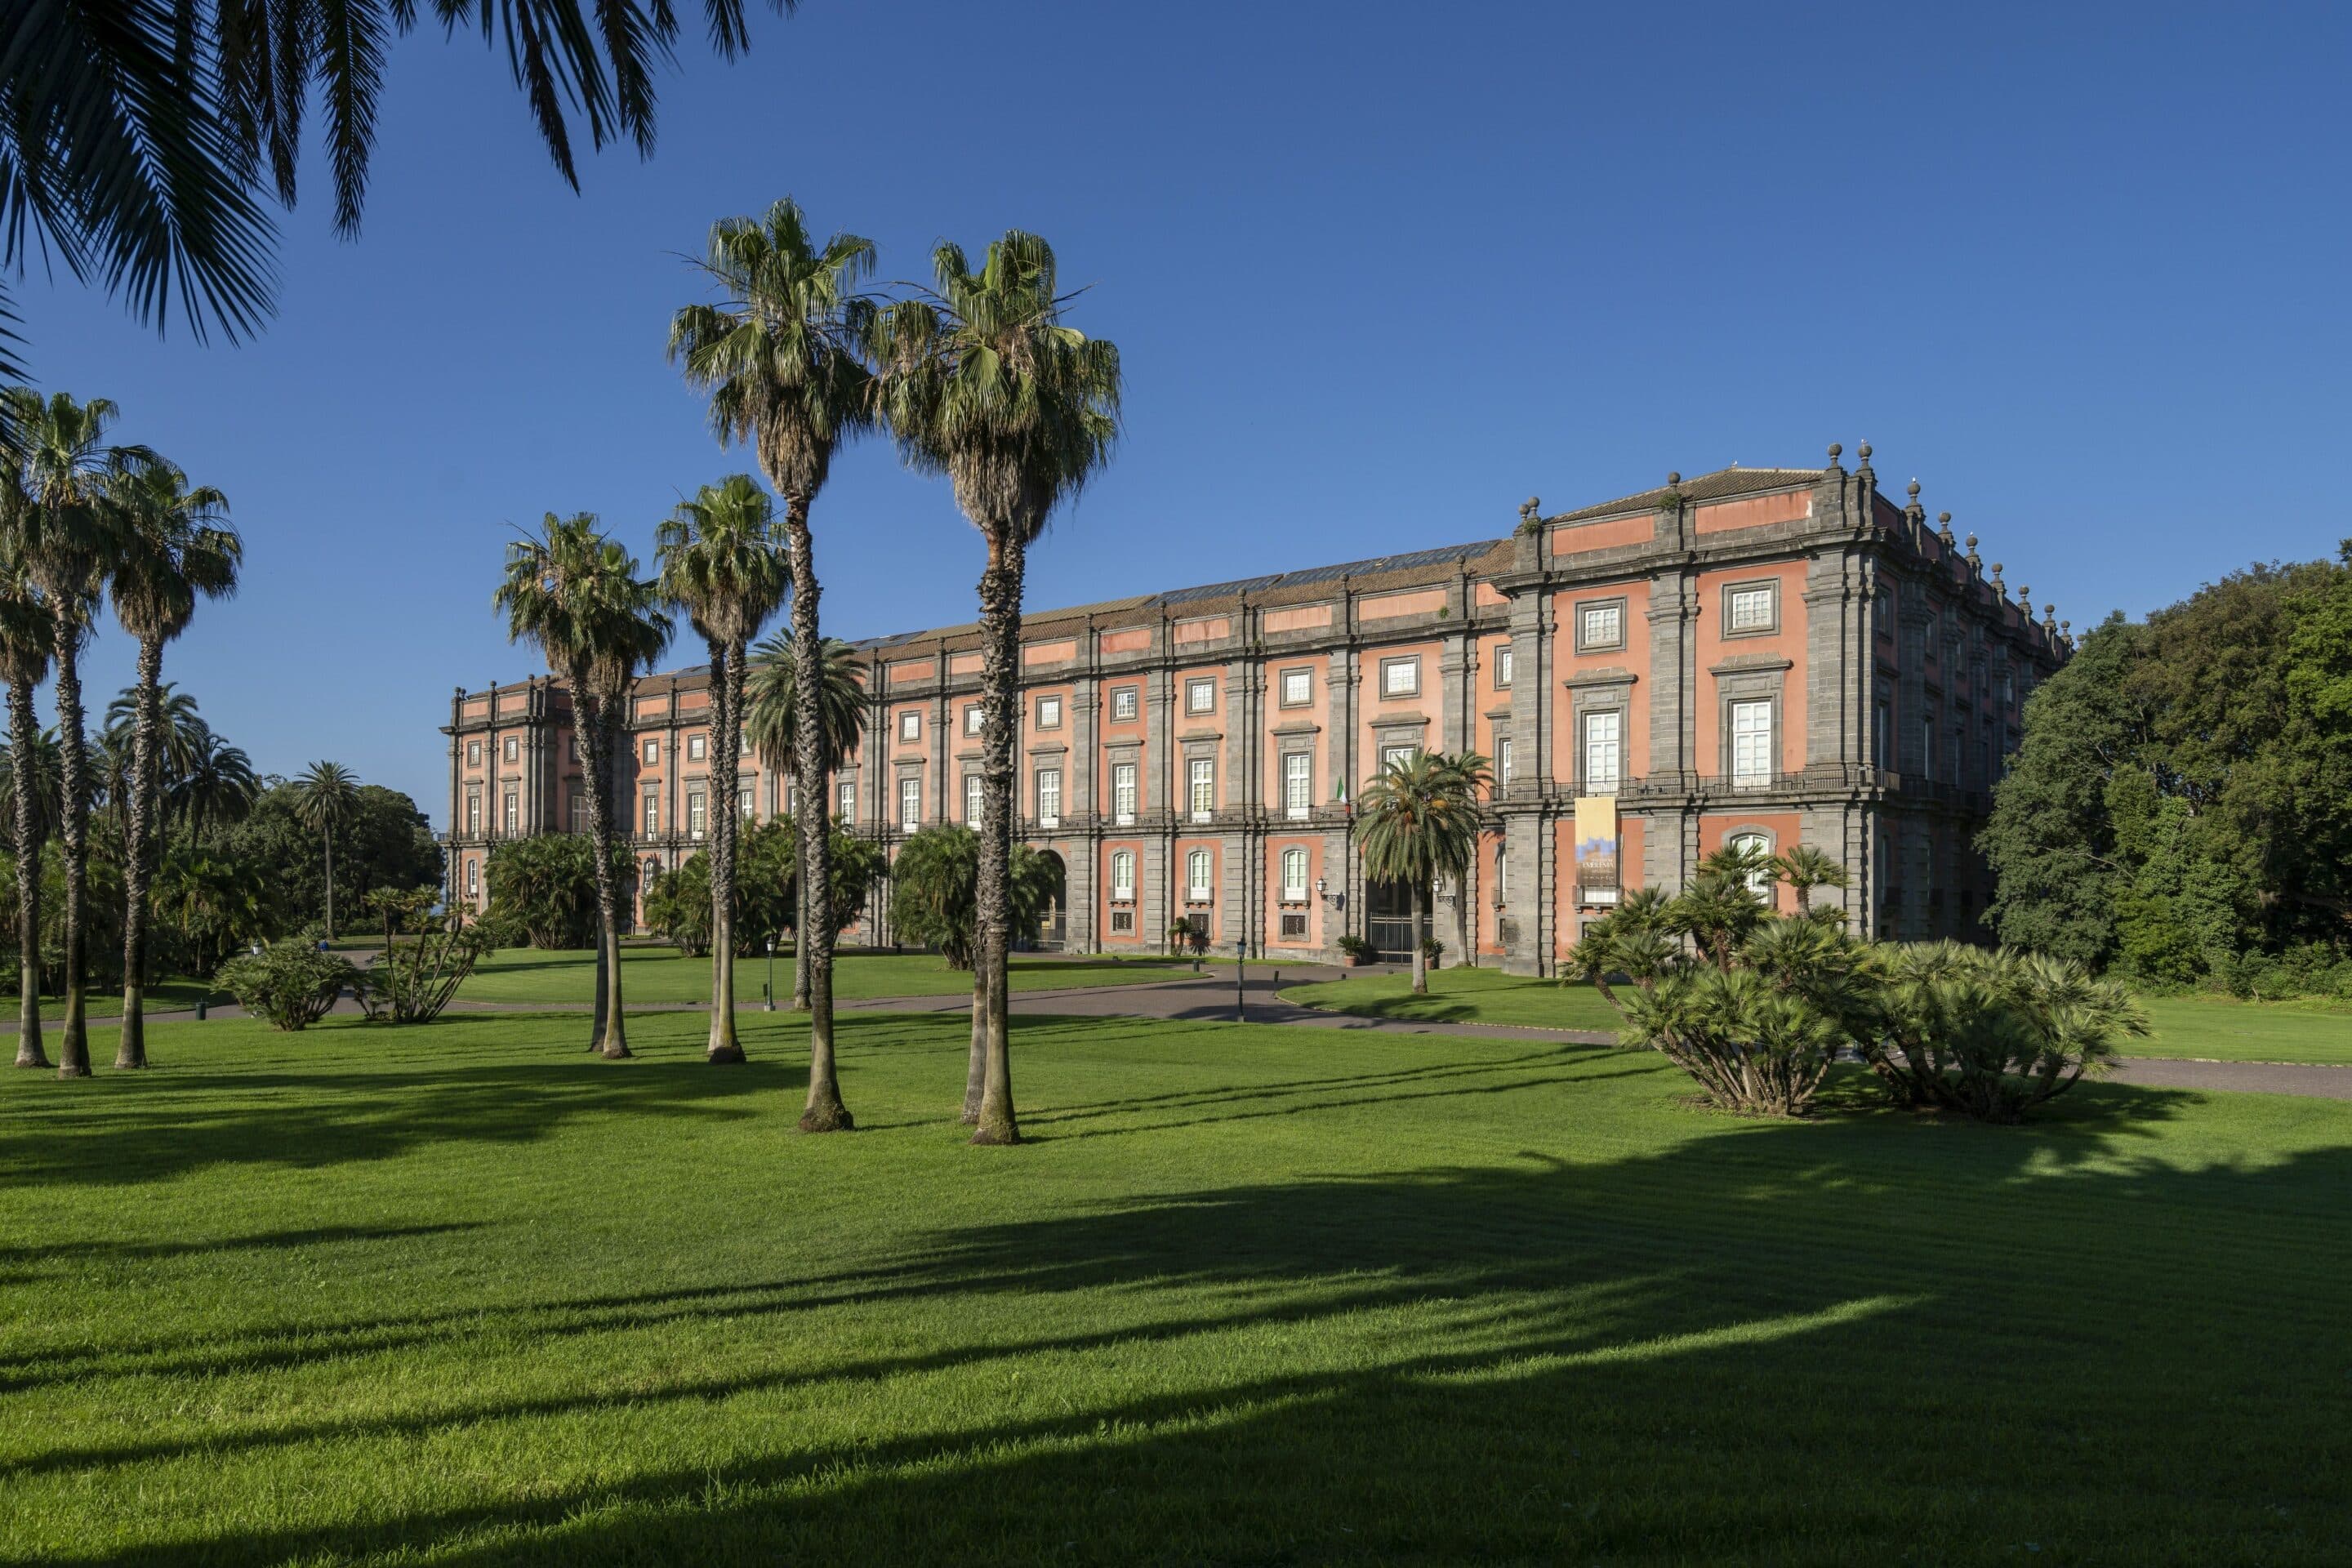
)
(719, 563)
(1417, 820)
(780, 355)
(139, 137)
(28, 641)
(176, 548)
(66, 534)
(576, 595)
(326, 798)
(770, 723)
(218, 787)
(181, 732)
(983, 381)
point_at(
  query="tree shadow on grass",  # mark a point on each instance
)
(1854, 1340)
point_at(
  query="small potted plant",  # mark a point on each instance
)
(1355, 952)
(1432, 950)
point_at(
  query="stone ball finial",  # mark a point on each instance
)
(1837, 450)
(1912, 489)
(1863, 451)
(1972, 542)
(1534, 503)
(1674, 478)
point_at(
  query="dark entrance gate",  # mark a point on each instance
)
(1388, 921)
(1054, 926)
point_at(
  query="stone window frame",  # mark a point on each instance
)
(1771, 587)
(649, 813)
(1126, 704)
(1037, 789)
(1616, 702)
(510, 812)
(1507, 660)
(473, 814)
(511, 750)
(1116, 856)
(910, 726)
(1049, 701)
(844, 797)
(1305, 753)
(1194, 685)
(1622, 604)
(1282, 688)
(698, 746)
(698, 798)
(1769, 892)
(1196, 758)
(1129, 759)
(473, 753)
(576, 808)
(473, 876)
(1751, 686)
(1410, 661)
(1305, 885)
(910, 772)
(1200, 892)
(975, 721)
(975, 798)
(649, 751)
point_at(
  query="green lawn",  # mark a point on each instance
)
(660, 975)
(2216, 1027)
(463, 1294)
(1464, 996)
(175, 995)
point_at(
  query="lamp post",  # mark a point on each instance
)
(769, 990)
(1241, 995)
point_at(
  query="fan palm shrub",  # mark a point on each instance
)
(780, 355)
(1993, 1033)
(175, 548)
(719, 565)
(66, 532)
(576, 595)
(1417, 820)
(983, 381)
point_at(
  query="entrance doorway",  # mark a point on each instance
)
(1054, 925)
(1388, 921)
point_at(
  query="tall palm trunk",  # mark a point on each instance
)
(725, 661)
(613, 1041)
(24, 737)
(800, 942)
(999, 632)
(139, 855)
(73, 773)
(825, 1113)
(1420, 939)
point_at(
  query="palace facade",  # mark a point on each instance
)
(1777, 656)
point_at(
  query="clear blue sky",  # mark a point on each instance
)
(1379, 273)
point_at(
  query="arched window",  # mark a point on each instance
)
(1197, 885)
(1758, 882)
(1122, 875)
(1293, 876)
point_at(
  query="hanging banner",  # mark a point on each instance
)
(1596, 848)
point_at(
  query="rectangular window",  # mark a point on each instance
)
(698, 813)
(1299, 784)
(1200, 696)
(651, 752)
(473, 878)
(1123, 703)
(1884, 739)
(844, 807)
(473, 753)
(1197, 887)
(743, 744)
(1293, 876)
(1400, 678)
(1752, 608)
(972, 800)
(1503, 762)
(743, 805)
(1049, 797)
(652, 815)
(1926, 748)
(910, 802)
(975, 719)
(510, 820)
(792, 797)
(1752, 745)
(578, 805)
(514, 748)
(1122, 922)
(1599, 627)
(1505, 658)
(1603, 752)
(1298, 688)
(1205, 789)
(911, 725)
(694, 748)
(473, 816)
(1122, 874)
(1293, 928)
(1122, 792)
(1049, 712)
(1391, 755)
(2008, 689)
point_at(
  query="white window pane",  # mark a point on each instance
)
(1400, 678)
(972, 800)
(1204, 787)
(1122, 703)
(1751, 745)
(1049, 796)
(1294, 690)
(845, 808)
(1122, 791)
(1751, 609)
(910, 803)
(1298, 784)
(1503, 760)
(1196, 877)
(1602, 753)
(1293, 874)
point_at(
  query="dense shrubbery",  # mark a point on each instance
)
(1757, 1007)
(2181, 809)
(544, 887)
(427, 954)
(291, 984)
(934, 889)
(767, 889)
